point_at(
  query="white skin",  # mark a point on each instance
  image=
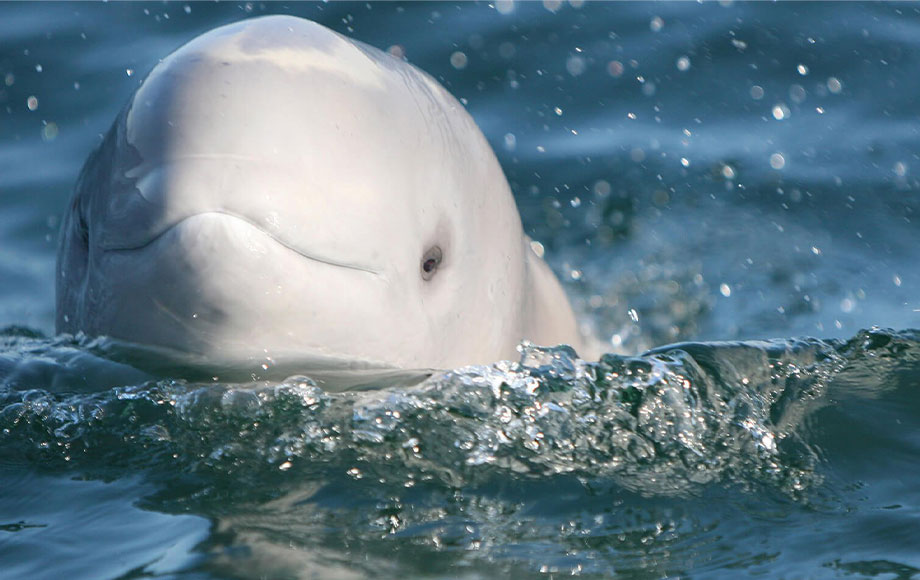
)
(277, 190)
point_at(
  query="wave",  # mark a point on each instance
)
(668, 422)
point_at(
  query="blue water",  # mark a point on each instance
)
(718, 172)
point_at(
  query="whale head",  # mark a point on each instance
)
(276, 191)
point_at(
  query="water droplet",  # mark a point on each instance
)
(803, 70)
(575, 65)
(728, 172)
(781, 111)
(129, 71)
(38, 68)
(601, 188)
(32, 103)
(504, 6)
(683, 63)
(537, 248)
(510, 141)
(777, 161)
(685, 162)
(900, 169)
(656, 24)
(552, 5)
(797, 93)
(756, 92)
(458, 60)
(49, 132)
(615, 68)
(506, 50)
(834, 85)
(725, 289)
(633, 315)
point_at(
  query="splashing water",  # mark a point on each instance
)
(675, 418)
(457, 461)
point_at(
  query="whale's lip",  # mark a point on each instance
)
(309, 255)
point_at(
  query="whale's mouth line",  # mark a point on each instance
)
(333, 372)
(309, 256)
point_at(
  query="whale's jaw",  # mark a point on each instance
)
(332, 373)
(215, 287)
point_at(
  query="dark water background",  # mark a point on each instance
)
(714, 172)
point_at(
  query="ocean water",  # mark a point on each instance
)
(728, 192)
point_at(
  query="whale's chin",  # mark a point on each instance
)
(214, 290)
(330, 371)
(217, 346)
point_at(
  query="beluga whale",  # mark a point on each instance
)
(275, 194)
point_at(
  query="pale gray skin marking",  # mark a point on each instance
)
(276, 191)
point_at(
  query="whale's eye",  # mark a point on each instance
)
(430, 262)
